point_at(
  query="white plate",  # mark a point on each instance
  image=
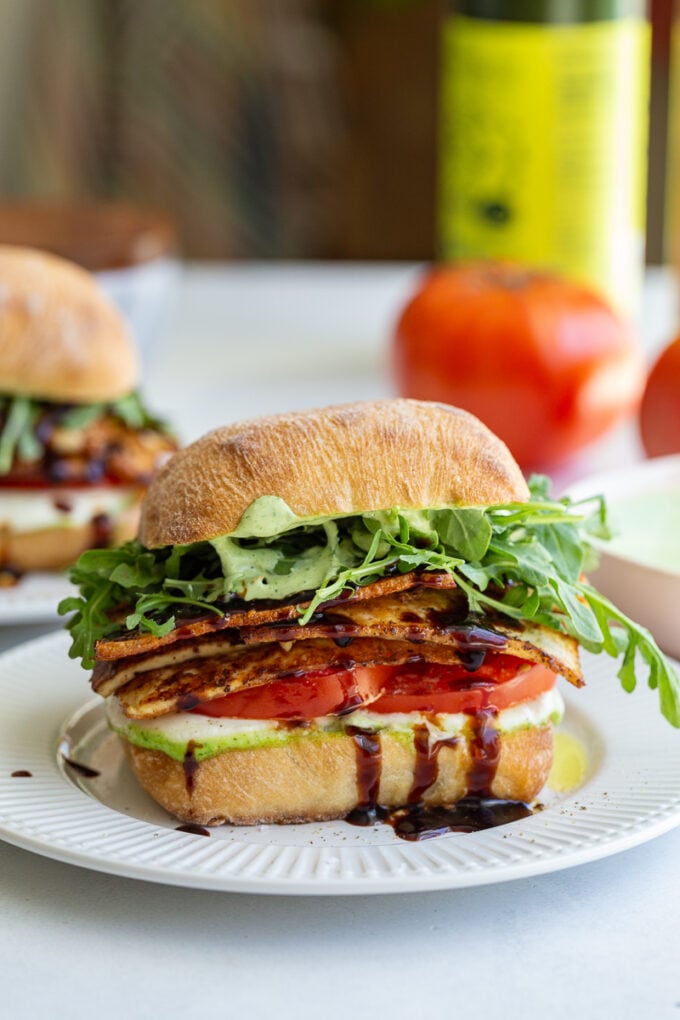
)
(34, 599)
(631, 793)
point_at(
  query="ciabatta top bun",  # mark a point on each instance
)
(61, 338)
(335, 460)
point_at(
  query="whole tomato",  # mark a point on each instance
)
(660, 408)
(546, 363)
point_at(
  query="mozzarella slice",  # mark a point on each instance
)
(208, 736)
(63, 507)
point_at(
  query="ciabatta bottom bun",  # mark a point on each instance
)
(313, 781)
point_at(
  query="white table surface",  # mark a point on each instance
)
(598, 940)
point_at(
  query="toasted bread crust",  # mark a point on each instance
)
(61, 338)
(310, 780)
(335, 460)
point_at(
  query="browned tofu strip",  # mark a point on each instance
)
(138, 644)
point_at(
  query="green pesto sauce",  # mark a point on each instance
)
(646, 528)
(270, 516)
(261, 572)
(156, 740)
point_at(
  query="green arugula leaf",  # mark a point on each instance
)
(132, 412)
(467, 531)
(81, 416)
(19, 421)
(583, 619)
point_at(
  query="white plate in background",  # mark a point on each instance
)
(34, 599)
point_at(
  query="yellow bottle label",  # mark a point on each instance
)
(543, 147)
(672, 207)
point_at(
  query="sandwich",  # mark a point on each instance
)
(77, 446)
(357, 612)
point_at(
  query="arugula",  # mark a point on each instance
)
(523, 560)
(18, 434)
(129, 409)
(20, 419)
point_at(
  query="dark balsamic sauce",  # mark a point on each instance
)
(83, 770)
(416, 821)
(195, 830)
(350, 704)
(187, 702)
(342, 642)
(368, 814)
(190, 766)
(485, 749)
(102, 527)
(369, 766)
(426, 768)
(46, 426)
(471, 814)
(472, 658)
(62, 471)
(22, 774)
(57, 469)
(472, 640)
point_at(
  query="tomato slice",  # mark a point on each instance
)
(502, 681)
(432, 688)
(323, 692)
(25, 483)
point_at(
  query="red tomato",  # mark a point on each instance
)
(660, 409)
(449, 689)
(325, 692)
(19, 483)
(546, 363)
(501, 681)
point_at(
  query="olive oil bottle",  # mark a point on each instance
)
(543, 137)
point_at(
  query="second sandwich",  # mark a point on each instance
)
(77, 447)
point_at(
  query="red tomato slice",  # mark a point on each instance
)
(432, 688)
(21, 483)
(500, 682)
(324, 692)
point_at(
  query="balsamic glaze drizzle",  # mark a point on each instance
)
(417, 821)
(194, 830)
(83, 770)
(190, 766)
(471, 814)
(426, 768)
(368, 751)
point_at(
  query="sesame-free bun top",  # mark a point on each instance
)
(345, 459)
(61, 339)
